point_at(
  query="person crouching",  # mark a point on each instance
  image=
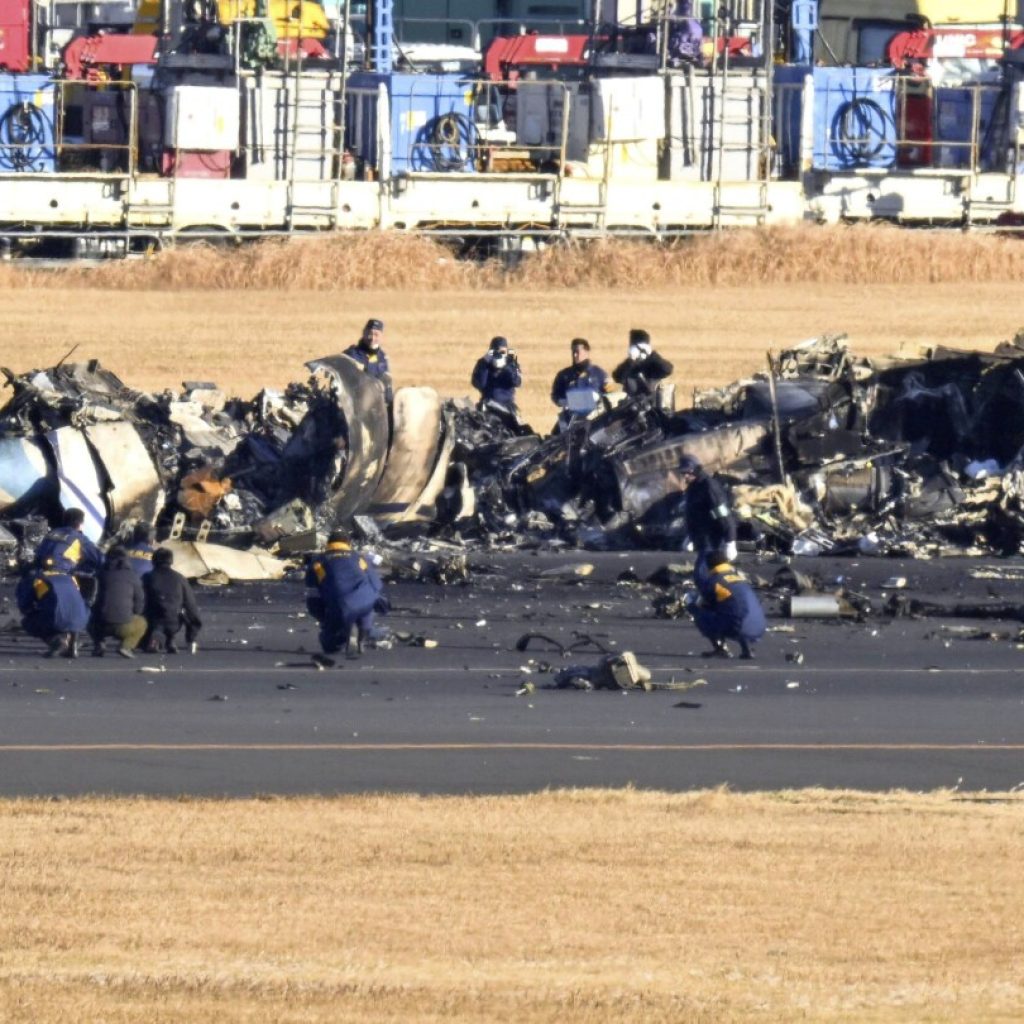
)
(726, 606)
(53, 610)
(119, 606)
(170, 604)
(342, 592)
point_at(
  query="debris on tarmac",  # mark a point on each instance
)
(916, 457)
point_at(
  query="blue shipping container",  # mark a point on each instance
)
(432, 125)
(27, 115)
(854, 117)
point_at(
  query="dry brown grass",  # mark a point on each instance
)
(860, 254)
(245, 340)
(570, 906)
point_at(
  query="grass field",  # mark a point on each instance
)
(245, 340)
(555, 907)
(570, 906)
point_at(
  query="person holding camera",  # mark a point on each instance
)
(497, 377)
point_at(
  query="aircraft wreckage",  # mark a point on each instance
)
(827, 452)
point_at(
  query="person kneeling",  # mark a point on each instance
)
(119, 606)
(170, 604)
(343, 591)
(726, 606)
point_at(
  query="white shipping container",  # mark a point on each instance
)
(203, 118)
(625, 109)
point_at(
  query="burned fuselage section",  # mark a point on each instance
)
(276, 468)
(827, 452)
(824, 453)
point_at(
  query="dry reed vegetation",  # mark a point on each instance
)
(566, 906)
(861, 254)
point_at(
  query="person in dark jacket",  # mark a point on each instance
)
(497, 377)
(120, 602)
(140, 549)
(577, 390)
(52, 609)
(170, 604)
(68, 550)
(343, 591)
(367, 352)
(727, 607)
(710, 523)
(644, 369)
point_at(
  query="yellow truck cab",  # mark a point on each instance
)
(293, 19)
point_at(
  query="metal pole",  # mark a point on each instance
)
(343, 118)
(780, 467)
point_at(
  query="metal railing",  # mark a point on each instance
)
(34, 136)
(481, 30)
(910, 126)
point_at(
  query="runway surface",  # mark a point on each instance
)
(885, 703)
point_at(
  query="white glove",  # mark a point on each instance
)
(688, 546)
(730, 551)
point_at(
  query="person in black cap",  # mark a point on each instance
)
(577, 390)
(726, 606)
(343, 591)
(710, 524)
(497, 377)
(643, 369)
(367, 352)
(67, 549)
(170, 604)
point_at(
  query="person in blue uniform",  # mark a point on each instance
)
(140, 548)
(367, 352)
(343, 591)
(577, 390)
(53, 610)
(497, 377)
(710, 524)
(68, 550)
(726, 606)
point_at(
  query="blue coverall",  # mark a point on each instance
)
(342, 589)
(729, 608)
(50, 603)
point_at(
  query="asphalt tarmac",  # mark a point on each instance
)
(874, 705)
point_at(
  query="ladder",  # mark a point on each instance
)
(313, 120)
(146, 213)
(989, 208)
(754, 122)
(567, 216)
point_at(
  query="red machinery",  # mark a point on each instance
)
(912, 51)
(507, 56)
(15, 25)
(86, 55)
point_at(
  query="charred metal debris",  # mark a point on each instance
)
(826, 452)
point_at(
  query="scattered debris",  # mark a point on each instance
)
(835, 454)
